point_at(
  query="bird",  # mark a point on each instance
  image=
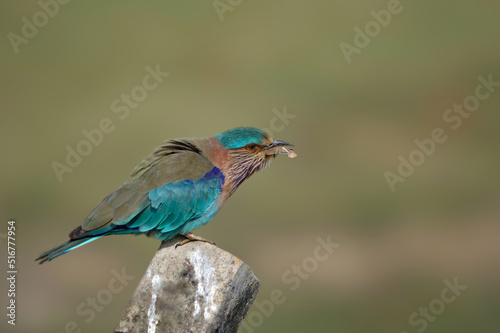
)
(177, 188)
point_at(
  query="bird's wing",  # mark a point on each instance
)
(172, 205)
(171, 184)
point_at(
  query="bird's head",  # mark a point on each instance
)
(250, 150)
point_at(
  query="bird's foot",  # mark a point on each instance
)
(192, 237)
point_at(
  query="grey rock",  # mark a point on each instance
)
(197, 287)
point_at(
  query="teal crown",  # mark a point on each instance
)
(240, 137)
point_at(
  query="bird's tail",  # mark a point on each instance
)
(63, 248)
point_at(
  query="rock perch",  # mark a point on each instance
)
(194, 288)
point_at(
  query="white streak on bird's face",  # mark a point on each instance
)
(245, 162)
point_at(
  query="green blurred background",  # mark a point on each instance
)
(351, 123)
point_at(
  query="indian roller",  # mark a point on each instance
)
(179, 187)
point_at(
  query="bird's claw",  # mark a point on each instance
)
(190, 237)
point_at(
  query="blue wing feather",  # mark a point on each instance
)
(178, 207)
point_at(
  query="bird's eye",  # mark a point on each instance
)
(252, 146)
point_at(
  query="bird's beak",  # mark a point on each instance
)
(278, 143)
(278, 147)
